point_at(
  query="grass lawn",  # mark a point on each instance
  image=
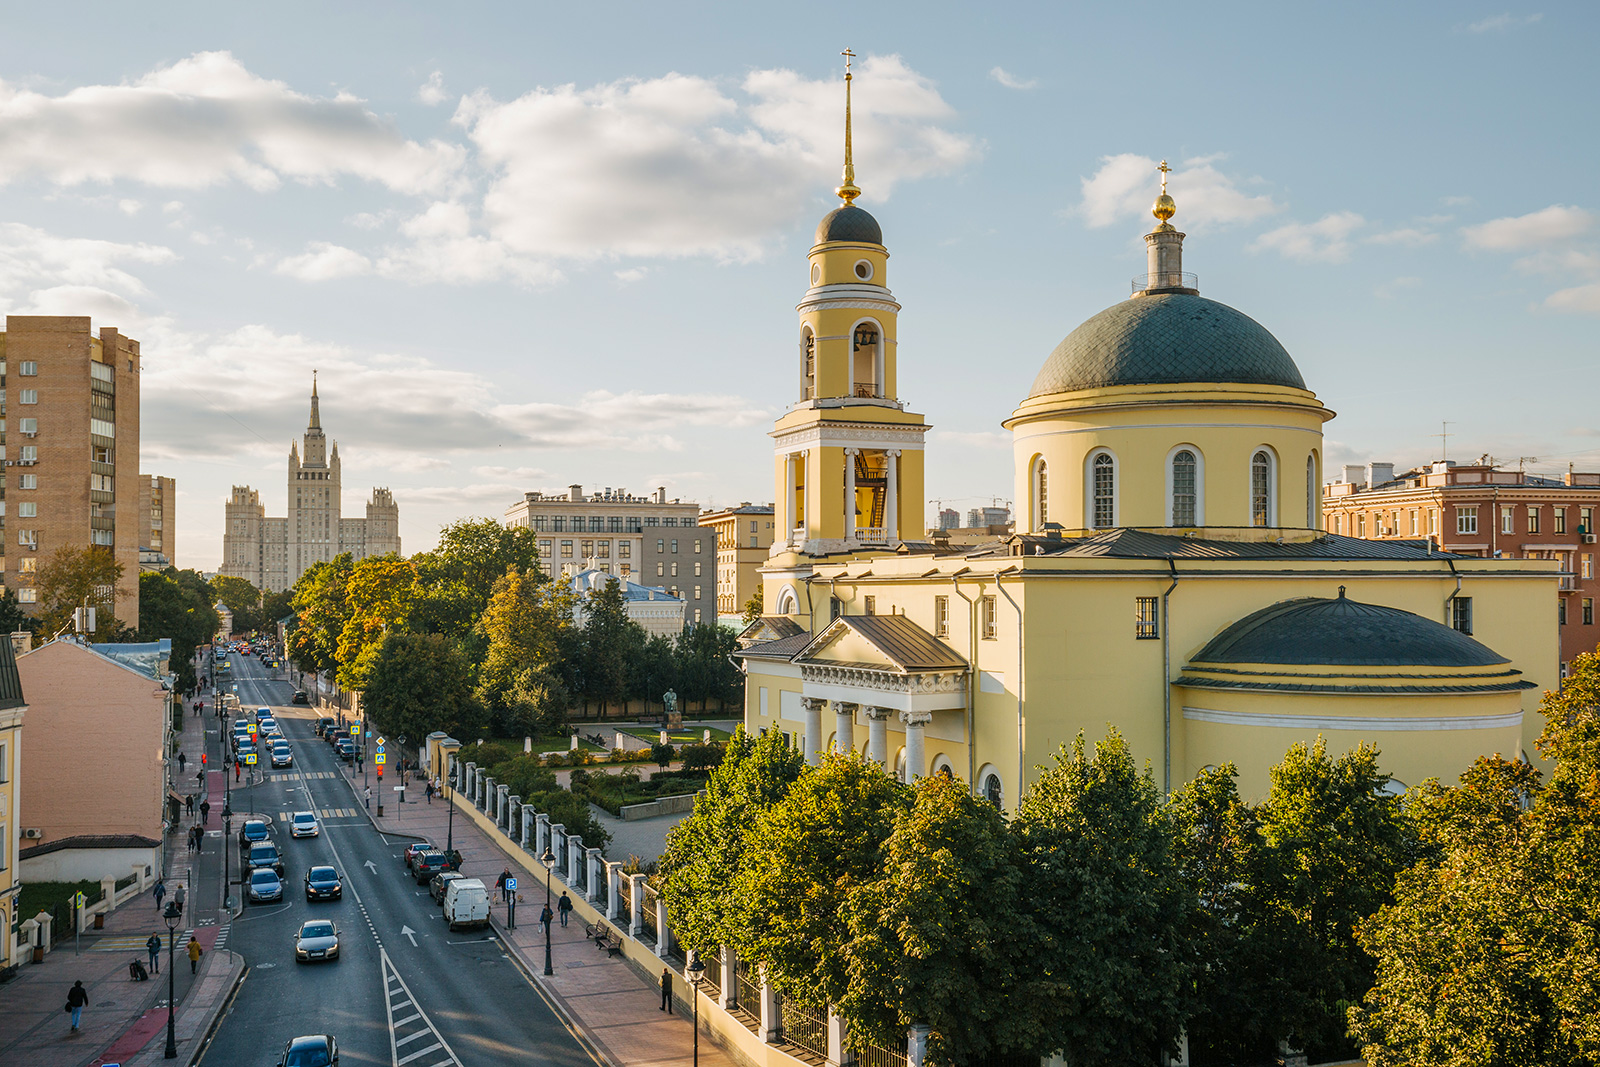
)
(682, 735)
(37, 896)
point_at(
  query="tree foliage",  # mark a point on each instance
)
(527, 624)
(175, 610)
(73, 577)
(418, 683)
(242, 599)
(610, 643)
(378, 597)
(319, 600)
(753, 608)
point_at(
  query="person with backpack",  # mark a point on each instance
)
(77, 1000)
(564, 906)
(545, 916)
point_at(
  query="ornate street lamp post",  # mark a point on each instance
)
(173, 916)
(549, 861)
(695, 971)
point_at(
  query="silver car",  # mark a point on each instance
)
(318, 939)
(265, 886)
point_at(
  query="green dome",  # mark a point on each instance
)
(1166, 338)
(1311, 631)
(849, 223)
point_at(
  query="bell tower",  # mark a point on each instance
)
(849, 457)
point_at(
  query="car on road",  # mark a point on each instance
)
(265, 886)
(429, 864)
(441, 883)
(304, 824)
(322, 883)
(253, 832)
(324, 725)
(316, 1050)
(417, 848)
(466, 904)
(345, 750)
(282, 756)
(264, 856)
(318, 939)
(270, 727)
(299, 697)
(337, 734)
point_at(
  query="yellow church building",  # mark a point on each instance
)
(1169, 575)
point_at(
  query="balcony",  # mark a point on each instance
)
(1166, 281)
(872, 535)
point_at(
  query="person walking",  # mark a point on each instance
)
(205, 812)
(77, 1000)
(153, 946)
(238, 769)
(428, 792)
(194, 955)
(564, 906)
(182, 760)
(666, 990)
(160, 891)
(369, 797)
(500, 884)
(177, 897)
(544, 919)
(188, 804)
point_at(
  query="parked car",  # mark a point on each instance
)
(440, 883)
(466, 904)
(322, 883)
(299, 697)
(316, 1050)
(318, 939)
(345, 750)
(324, 725)
(415, 849)
(253, 832)
(265, 886)
(264, 856)
(429, 864)
(304, 824)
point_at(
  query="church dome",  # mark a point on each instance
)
(1160, 339)
(1312, 631)
(849, 223)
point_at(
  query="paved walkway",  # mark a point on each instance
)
(603, 996)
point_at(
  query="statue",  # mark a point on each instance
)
(669, 700)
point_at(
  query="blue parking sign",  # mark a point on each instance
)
(511, 884)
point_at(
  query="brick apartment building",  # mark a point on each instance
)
(72, 450)
(744, 536)
(158, 521)
(1478, 509)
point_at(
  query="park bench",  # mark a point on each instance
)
(604, 937)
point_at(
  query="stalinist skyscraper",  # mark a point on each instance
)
(272, 554)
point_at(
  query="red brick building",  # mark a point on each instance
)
(1480, 510)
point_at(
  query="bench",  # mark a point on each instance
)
(604, 937)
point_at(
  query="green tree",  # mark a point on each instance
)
(654, 670)
(707, 853)
(170, 610)
(662, 753)
(12, 617)
(1108, 980)
(457, 578)
(823, 841)
(72, 577)
(419, 683)
(319, 601)
(610, 643)
(525, 625)
(704, 670)
(753, 608)
(939, 937)
(275, 606)
(242, 598)
(378, 598)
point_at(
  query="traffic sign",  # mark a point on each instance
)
(381, 741)
(79, 899)
(379, 758)
(511, 885)
(250, 759)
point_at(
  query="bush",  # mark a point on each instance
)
(555, 759)
(701, 757)
(662, 753)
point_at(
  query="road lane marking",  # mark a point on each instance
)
(395, 987)
(419, 1052)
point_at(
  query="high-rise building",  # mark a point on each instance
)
(949, 518)
(73, 453)
(158, 523)
(273, 553)
(744, 534)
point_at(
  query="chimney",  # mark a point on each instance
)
(661, 494)
(1378, 473)
(575, 492)
(1353, 473)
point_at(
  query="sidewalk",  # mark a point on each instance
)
(606, 999)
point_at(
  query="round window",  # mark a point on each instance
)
(816, 273)
(863, 270)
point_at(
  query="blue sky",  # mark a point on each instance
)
(535, 244)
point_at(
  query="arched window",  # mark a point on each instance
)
(992, 790)
(1041, 493)
(1312, 502)
(808, 365)
(1183, 488)
(1103, 491)
(1261, 489)
(866, 360)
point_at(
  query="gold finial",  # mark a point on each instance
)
(1164, 207)
(847, 190)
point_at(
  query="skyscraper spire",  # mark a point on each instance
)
(847, 190)
(316, 415)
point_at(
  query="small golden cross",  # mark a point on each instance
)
(848, 56)
(1164, 169)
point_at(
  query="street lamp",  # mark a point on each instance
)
(450, 815)
(173, 916)
(695, 971)
(549, 861)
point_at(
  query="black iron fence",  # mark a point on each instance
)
(803, 1027)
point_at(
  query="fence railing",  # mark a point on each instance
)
(870, 1055)
(804, 1028)
(713, 978)
(648, 910)
(746, 990)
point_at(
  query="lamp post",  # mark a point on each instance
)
(694, 972)
(450, 815)
(549, 861)
(227, 846)
(172, 915)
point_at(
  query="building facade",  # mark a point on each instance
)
(647, 539)
(744, 534)
(72, 458)
(1479, 510)
(13, 709)
(658, 612)
(272, 553)
(1169, 574)
(158, 520)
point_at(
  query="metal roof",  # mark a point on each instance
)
(783, 648)
(902, 642)
(10, 680)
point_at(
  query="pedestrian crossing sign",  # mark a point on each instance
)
(250, 759)
(380, 758)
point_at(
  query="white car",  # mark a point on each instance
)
(304, 824)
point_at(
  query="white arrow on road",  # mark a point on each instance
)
(374, 866)
(406, 931)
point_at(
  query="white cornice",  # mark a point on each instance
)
(848, 435)
(876, 297)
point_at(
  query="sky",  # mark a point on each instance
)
(526, 245)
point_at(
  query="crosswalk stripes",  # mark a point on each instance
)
(222, 936)
(326, 813)
(413, 1038)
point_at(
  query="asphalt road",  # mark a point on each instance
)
(405, 990)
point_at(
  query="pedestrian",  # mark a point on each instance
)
(77, 1000)
(194, 955)
(190, 835)
(188, 804)
(428, 792)
(500, 884)
(666, 990)
(182, 760)
(160, 891)
(137, 972)
(544, 919)
(205, 812)
(177, 897)
(238, 769)
(153, 946)
(369, 797)
(564, 906)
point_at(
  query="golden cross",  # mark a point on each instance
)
(1165, 170)
(848, 56)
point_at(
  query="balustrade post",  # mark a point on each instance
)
(636, 902)
(663, 935)
(575, 855)
(541, 823)
(729, 998)
(613, 889)
(527, 824)
(771, 1032)
(591, 881)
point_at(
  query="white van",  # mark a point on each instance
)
(466, 903)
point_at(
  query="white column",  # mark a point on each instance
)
(844, 726)
(878, 735)
(467, 785)
(527, 824)
(916, 722)
(850, 493)
(541, 839)
(836, 1033)
(771, 1022)
(790, 512)
(613, 890)
(591, 882)
(891, 511)
(636, 904)
(813, 711)
(576, 854)
(730, 979)
(558, 846)
(502, 811)
(513, 814)
(917, 1044)
(663, 935)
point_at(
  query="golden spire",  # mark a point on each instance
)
(1164, 207)
(847, 190)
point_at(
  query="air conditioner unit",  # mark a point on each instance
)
(33, 834)
(1589, 539)
(30, 433)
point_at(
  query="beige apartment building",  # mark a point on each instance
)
(71, 449)
(272, 553)
(744, 535)
(12, 710)
(650, 540)
(158, 521)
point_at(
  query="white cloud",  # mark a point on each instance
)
(1557, 222)
(633, 420)
(1395, 287)
(432, 91)
(205, 121)
(1011, 81)
(1126, 185)
(323, 261)
(1408, 237)
(31, 258)
(1581, 299)
(129, 207)
(676, 166)
(1502, 23)
(445, 247)
(1327, 240)
(632, 274)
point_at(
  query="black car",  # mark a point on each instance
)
(322, 883)
(320, 1050)
(252, 833)
(429, 864)
(345, 750)
(299, 697)
(441, 882)
(264, 856)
